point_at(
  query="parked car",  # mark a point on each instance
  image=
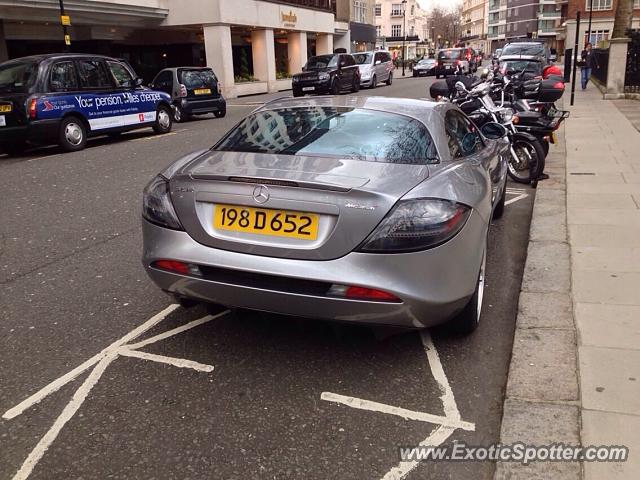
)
(374, 67)
(426, 66)
(193, 90)
(333, 73)
(510, 65)
(449, 60)
(527, 50)
(65, 98)
(347, 208)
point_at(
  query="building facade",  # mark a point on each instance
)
(602, 20)
(512, 20)
(254, 46)
(474, 24)
(397, 21)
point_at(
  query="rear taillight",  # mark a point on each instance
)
(183, 90)
(219, 88)
(361, 293)
(558, 86)
(31, 109)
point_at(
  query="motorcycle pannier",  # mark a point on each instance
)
(551, 90)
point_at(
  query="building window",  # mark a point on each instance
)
(396, 30)
(596, 37)
(378, 31)
(378, 9)
(396, 10)
(360, 11)
(598, 5)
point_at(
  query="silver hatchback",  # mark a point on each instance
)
(371, 210)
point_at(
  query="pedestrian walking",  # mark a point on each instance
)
(587, 63)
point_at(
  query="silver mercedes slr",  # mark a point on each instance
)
(362, 209)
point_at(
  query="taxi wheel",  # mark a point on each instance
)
(73, 134)
(164, 120)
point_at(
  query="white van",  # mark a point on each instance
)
(375, 67)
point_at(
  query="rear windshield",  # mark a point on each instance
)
(342, 132)
(523, 49)
(17, 77)
(362, 58)
(517, 66)
(321, 62)
(448, 54)
(196, 78)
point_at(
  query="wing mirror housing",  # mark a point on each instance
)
(378, 62)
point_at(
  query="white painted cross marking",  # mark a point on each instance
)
(101, 361)
(447, 424)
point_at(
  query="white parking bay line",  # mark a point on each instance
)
(66, 378)
(515, 199)
(447, 424)
(400, 412)
(103, 360)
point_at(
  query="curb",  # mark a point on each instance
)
(542, 398)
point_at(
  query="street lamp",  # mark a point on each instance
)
(404, 32)
(589, 27)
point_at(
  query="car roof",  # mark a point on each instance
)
(50, 56)
(532, 58)
(186, 67)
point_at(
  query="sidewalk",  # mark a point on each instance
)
(574, 376)
(603, 216)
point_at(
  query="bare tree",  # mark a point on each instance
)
(443, 25)
(624, 11)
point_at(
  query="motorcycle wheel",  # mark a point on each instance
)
(530, 161)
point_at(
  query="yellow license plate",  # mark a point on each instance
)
(264, 221)
(5, 108)
(202, 91)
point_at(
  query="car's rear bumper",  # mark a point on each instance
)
(36, 131)
(320, 86)
(432, 285)
(196, 107)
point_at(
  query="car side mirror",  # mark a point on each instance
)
(138, 81)
(493, 131)
(378, 62)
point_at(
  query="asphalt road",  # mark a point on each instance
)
(71, 284)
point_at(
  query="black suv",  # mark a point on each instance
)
(333, 74)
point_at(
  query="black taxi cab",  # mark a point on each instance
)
(65, 98)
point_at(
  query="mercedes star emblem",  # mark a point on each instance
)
(261, 194)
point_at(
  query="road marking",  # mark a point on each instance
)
(447, 424)
(101, 361)
(176, 362)
(513, 200)
(63, 380)
(361, 404)
(69, 411)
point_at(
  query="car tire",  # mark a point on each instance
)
(390, 79)
(499, 210)
(374, 82)
(335, 87)
(220, 113)
(467, 321)
(72, 135)
(297, 93)
(164, 120)
(179, 115)
(355, 88)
